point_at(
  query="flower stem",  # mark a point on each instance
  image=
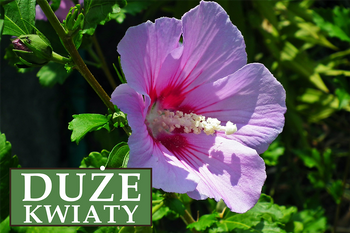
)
(187, 217)
(76, 58)
(157, 207)
(103, 61)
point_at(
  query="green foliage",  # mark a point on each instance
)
(19, 16)
(95, 160)
(265, 216)
(119, 119)
(119, 156)
(55, 4)
(97, 12)
(1, 21)
(84, 123)
(272, 154)
(5, 225)
(52, 73)
(175, 205)
(334, 21)
(7, 161)
(74, 20)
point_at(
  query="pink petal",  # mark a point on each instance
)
(251, 98)
(144, 48)
(213, 46)
(168, 173)
(227, 169)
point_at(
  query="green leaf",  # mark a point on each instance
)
(343, 96)
(159, 214)
(108, 229)
(175, 205)
(19, 17)
(119, 119)
(263, 217)
(5, 225)
(52, 73)
(336, 22)
(95, 160)
(84, 123)
(272, 154)
(127, 229)
(312, 220)
(335, 188)
(55, 5)
(204, 222)
(6, 162)
(96, 11)
(1, 20)
(117, 156)
(45, 229)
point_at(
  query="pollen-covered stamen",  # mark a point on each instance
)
(191, 123)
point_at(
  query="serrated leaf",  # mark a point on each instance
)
(95, 160)
(117, 155)
(19, 16)
(204, 222)
(52, 73)
(6, 162)
(84, 123)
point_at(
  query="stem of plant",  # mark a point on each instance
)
(187, 217)
(76, 58)
(103, 61)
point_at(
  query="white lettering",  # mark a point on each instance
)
(94, 215)
(27, 186)
(130, 214)
(75, 208)
(111, 212)
(108, 177)
(126, 186)
(58, 211)
(32, 214)
(62, 182)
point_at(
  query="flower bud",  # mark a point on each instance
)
(33, 50)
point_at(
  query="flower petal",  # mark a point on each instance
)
(251, 98)
(168, 173)
(230, 171)
(213, 46)
(143, 50)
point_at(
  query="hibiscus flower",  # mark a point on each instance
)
(199, 114)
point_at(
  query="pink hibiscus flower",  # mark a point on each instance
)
(199, 114)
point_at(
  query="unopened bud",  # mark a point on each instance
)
(33, 50)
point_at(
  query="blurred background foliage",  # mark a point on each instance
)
(305, 44)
